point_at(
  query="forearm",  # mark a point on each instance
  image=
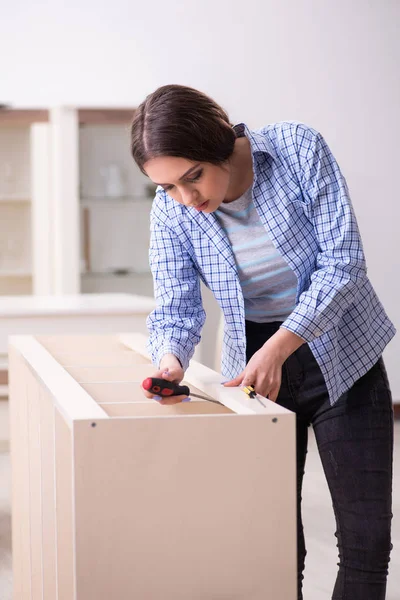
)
(264, 369)
(169, 361)
(283, 343)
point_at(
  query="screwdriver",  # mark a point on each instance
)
(251, 392)
(164, 388)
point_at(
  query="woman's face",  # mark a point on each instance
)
(198, 184)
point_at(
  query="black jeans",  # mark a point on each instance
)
(355, 442)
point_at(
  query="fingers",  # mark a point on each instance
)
(269, 389)
(241, 380)
(168, 401)
(164, 399)
(234, 382)
(174, 374)
(158, 375)
(273, 394)
(171, 374)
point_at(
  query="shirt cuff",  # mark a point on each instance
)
(302, 326)
(168, 348)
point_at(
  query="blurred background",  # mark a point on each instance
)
(74, 210)
(332, 65)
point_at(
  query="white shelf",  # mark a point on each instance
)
(102, 200)
(122, 273)
(15, 273)
(140, 284)
(14, 198)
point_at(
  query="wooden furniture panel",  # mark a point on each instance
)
(124, 358)
(130, 373)
(59, 344)
(35, 486)
(20, 478)
(64, 509)
(123, 499)
(49, 538)
(130, 391)
(218, 475)
(153, 409)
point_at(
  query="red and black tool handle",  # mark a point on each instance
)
(162, 387)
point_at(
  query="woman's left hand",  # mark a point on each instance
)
(263, 372)
(264, 369)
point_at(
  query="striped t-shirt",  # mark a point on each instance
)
(269, 285)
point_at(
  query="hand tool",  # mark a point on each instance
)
(164, 388)
(251, 392)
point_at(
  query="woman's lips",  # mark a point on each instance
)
(202, 206)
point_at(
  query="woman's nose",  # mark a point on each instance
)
(188, 197)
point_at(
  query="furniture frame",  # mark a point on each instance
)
(117, 496)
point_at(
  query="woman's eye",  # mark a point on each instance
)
(196, 177)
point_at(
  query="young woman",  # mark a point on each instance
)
(264, 219)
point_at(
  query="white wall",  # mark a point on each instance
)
(332, 64)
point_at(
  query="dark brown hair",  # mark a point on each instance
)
(180, 121)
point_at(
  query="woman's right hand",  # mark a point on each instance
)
(170, 370)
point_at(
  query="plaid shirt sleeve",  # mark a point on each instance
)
(176, 323)
(340, 264)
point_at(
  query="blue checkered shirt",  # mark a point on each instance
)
(302, 199)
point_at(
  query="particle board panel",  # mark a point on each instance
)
(20, 477)
(117, 496)
(125, 391)
(115, 392)
(69, 397)
(122, 358)
(153, 409)
(35, 486)
(59, 344)
(134, 372)
(64, 509)
(209, 382)
(49, 526)
(17, 468)
(201, 508)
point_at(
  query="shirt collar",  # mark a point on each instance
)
(258, 141)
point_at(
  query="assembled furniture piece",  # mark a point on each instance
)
(117, 496)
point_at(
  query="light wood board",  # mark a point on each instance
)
(196, 508)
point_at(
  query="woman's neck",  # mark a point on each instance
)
(241, 170)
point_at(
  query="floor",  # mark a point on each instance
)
(318, 522)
